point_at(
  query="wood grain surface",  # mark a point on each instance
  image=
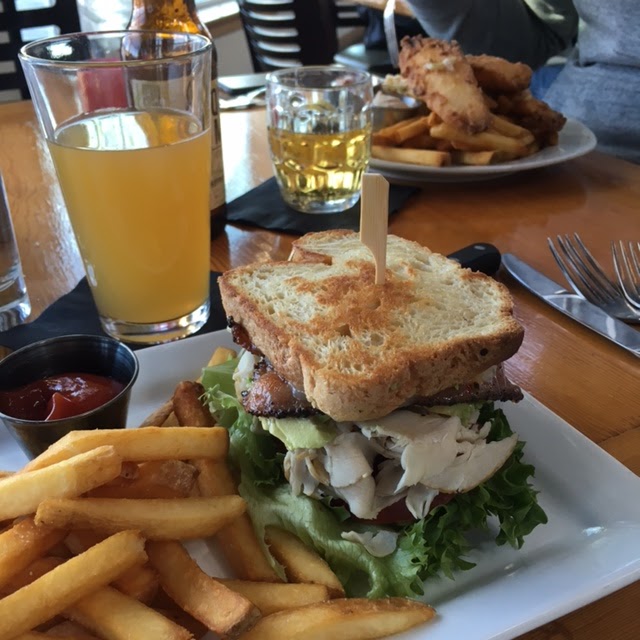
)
(582, 377)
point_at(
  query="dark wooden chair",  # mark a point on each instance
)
(285, 33)
(22, 27)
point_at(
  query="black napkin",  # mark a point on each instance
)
(76, 312)
(264, 207)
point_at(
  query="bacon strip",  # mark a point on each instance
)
(273, 396)
(499, 388)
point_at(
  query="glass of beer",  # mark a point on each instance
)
(319, 121)
(126, 118)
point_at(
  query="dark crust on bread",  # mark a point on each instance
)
(383, 384)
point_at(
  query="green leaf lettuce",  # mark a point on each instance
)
(434, 545)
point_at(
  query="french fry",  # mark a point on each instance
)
(171, 421)
(158, 417)
(187, 405)
(433, 119)
(139, 445)
(476, 158)
(62, 586)
(222, 610)
(507, 128)
(6, 474)
(140, 582)
(113, 615)
(129, 470)
(410, 130)
(22, 493)
(424, 157)
(154, 479)
(23, 544)
(169, 609)
(343, 619)
(301, 564)
(36, 569)
(38, 635)
(270, 597)
(485, 141)
(385, 135)
(183, 619)
(421, 141)
(157, 519)
(238, 540)
(69, 629)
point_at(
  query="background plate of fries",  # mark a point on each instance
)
(588, 549)
(409, 165)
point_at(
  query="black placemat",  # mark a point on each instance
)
(76, 312)
(264, 207)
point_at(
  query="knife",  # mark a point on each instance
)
(573, 305)
(480, 256)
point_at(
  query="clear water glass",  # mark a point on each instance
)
(15, 306)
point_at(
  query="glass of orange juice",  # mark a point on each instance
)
(126, 119)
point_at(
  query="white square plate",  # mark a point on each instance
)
(589, 548)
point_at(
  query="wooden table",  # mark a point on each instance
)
(585, 379)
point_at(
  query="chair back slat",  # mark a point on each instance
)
(61, 17)
(289, 33)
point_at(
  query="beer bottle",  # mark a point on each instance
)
(181, 15)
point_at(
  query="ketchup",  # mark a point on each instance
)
(61, 396)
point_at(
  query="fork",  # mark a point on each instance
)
(626, 262)
(588, 280)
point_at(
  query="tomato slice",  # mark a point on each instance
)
(397, 513)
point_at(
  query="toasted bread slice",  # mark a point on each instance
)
(358, 350)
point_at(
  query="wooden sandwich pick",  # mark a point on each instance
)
(374, 219)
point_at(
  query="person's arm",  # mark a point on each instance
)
(528, 31)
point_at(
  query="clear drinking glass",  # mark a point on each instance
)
(319, 121)
(126, 117)
(15, 306)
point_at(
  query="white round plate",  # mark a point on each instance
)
(575, 140)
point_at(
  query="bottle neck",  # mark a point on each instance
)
(167, 15)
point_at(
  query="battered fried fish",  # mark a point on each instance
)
(533, 114)
(439, 73)
(497, 75)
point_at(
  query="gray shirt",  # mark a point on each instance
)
(600, 84)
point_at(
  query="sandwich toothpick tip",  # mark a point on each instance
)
(374, 219)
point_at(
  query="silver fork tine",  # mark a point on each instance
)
(628, 272)
(581, 290)
(635, 256)
(597, 270)
(575, 272)
(587, 279)
(601, 293)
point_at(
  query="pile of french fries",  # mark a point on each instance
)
(427, 141)
(92, 545)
